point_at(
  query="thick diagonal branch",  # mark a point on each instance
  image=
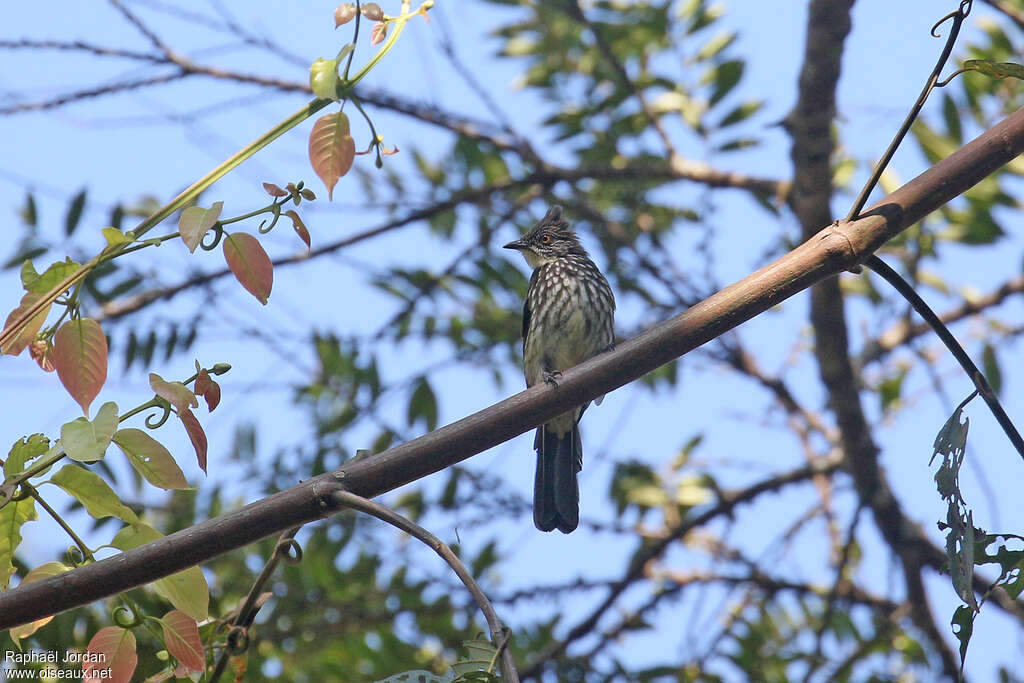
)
(835, 249)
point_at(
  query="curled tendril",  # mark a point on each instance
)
(125, 617)
(959, 14)
(238, 640)
(218, 233)
(289, 551)
(74, 556)
(157, 420)
(275, 209)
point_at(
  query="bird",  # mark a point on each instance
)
(568, 317)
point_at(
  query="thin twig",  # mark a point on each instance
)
(499, 632)
(247, 612)
(977, 378)
(958, 19)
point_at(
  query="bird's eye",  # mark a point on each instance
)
(545, 239)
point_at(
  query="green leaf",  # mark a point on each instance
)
(93, 493)
(150, 459)
(416, 676)
(23, 452)
(990, 365)
(741, 112)
(323, 77)
(889, 390)
(423, 404)
(12, 517)
(114, 236)
(50, 278)
(29, 214)
(74, 213)
(87, 441)
(963, 627)
(187, 590)
(723, 78)
(994, 69)
(195, 221)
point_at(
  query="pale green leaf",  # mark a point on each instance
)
(93, 493)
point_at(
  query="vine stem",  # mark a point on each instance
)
(984, 388)
(958, 18)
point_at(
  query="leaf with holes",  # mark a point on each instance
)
(196, 434)
(195, 221)
(181, 636)
(13, 516)
(150, 459)
(24, 451)
(115, 657)
(80, 356)
(50, 278)
(28, 333)
(331, 149)
(250, 264)
(300, 227)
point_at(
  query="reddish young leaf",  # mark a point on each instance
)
(250, 264)
(175, 393)
(274, 190)
(117, 658)
(331, 149)
(344, 13)
(372, 11)
(41, 351)
(307, 194)
(181, 636)
(27, 333)
(80, 356)
(196, 434)
(208, 388)
(300, 227)
(379, 33)
(195, 221)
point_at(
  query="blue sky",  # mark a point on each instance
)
(128, 146)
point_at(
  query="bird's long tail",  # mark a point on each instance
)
(556, 494)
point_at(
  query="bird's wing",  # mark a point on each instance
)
(526, 321)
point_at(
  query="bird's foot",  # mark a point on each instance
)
(552, 377)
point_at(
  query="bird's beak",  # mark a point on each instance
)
(517, 244)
